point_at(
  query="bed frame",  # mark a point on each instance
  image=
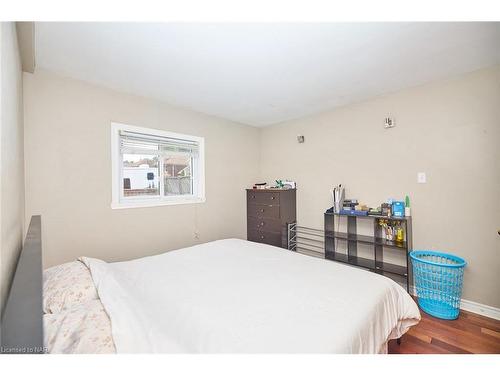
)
(22, 323)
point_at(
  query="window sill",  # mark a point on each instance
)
(156, 203)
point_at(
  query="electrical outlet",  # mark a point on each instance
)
(421, 178)
(196, 235)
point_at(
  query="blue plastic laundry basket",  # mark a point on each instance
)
(438, 281)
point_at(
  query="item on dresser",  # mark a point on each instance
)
(353, 212)
(386, 209)
(400, 235)
(398, 209)
(392, 230)
(375, 211)
(386, 229)
(260, 185)
(338, 195)
(268, 213)
(361, 207)
(288, 184)
(407, 206)
(349, 204)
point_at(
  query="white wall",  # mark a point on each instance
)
(11, 157)
(450, 130)
(68, 173)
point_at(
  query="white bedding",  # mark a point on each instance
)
(239, 296)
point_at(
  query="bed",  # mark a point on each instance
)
(226, 296)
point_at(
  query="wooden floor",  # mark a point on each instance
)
(470, 333)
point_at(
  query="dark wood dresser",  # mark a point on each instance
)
(268, 213)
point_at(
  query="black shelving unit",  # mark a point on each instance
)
(375, 263)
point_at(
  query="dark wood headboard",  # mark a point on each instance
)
(22, 323)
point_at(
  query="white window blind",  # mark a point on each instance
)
(137, 143)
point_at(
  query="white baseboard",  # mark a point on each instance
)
(474, 307)
(479, 308)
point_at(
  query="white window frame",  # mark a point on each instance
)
(118, 201)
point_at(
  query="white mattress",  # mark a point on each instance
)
(239, 296)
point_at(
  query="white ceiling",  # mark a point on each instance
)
(261, 74)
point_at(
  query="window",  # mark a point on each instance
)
(153, 167)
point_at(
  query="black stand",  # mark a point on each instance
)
(375, 263)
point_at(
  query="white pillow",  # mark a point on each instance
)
(85, 329)
(66, 286)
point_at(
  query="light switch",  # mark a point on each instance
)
(421, 178)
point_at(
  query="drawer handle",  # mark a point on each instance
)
(272, 198)
(261, 237)
(261, 210)
(262, 224)
(253, 196)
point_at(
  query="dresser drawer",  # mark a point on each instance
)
(264, 224)
(265, 237)
(260, 197)
(261, 210)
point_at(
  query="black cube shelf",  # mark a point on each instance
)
(375, 263)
